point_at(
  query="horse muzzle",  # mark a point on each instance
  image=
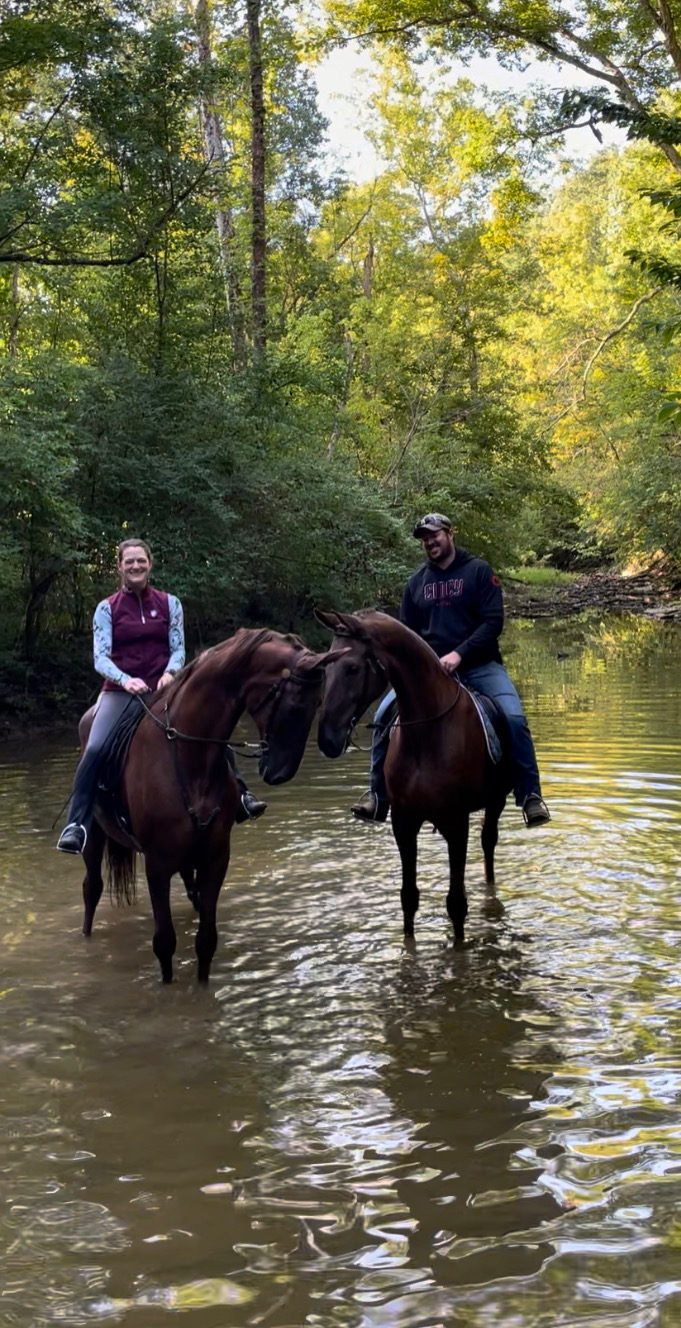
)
(333, 742)
(274, 772)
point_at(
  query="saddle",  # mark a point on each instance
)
(491, 717)
(113, 757)
(493, 723)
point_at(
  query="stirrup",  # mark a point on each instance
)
(66, 848)
(249, 808)
(371, 808)
(544, 814)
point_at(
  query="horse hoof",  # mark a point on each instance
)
(493, 908)
(461, 944)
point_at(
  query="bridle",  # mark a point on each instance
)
(274, 693)
(373, 664)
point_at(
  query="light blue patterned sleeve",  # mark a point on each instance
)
(103, 638)
(175, 635)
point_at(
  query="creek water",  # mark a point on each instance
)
(342, 1131)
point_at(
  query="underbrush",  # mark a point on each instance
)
(542, 578)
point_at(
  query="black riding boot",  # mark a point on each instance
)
(249, 808)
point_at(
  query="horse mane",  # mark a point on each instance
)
(388, 629)
(236, 651)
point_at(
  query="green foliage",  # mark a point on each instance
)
(466, 333)
(542, 578)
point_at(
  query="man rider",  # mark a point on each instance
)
(455, 603)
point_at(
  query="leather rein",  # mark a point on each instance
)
(275, 692)
(374, 665)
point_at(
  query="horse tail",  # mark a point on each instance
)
(120, 866)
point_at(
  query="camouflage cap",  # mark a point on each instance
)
(432, 521)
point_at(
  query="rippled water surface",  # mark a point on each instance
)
(342, 1131)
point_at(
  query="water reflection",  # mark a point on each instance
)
(342, 1131)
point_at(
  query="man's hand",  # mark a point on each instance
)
(135, 686)
(164, 680)
(450, 662)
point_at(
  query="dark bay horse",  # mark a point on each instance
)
(178, 787)
(437, 768)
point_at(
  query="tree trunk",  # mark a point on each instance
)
(15, 313)
(368, 270)
(214, 152)
(37, 591)
(258, 227)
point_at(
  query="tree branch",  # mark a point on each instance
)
(45, 260)
(470, 11)
(643, 299)
(666, 22)
(603, 70)
(353, 229)
(36, 146)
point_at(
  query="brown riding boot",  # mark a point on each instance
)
(371, 808)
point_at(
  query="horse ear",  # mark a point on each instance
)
(338, 623)
(327, 618)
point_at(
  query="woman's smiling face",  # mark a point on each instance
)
(135, 566)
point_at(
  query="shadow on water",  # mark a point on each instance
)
(343, 1132)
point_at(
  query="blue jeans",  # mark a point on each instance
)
(493, 681)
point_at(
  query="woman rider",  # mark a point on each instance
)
(138, 648)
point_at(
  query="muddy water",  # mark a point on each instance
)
(341, 1131)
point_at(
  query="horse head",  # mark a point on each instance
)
(354, 679)
(282, 696)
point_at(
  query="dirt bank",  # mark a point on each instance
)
(655, 593)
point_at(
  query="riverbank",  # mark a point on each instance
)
(37, 706)
(655, 593)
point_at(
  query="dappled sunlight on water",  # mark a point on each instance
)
(344, 1131)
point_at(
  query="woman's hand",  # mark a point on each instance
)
(135, 686)
(450, 662)
(164, 680)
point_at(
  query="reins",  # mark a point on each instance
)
(172, 734)
(373, 662)
(275, 692)
(432, 719)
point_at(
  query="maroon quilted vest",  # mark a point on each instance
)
(139, 635)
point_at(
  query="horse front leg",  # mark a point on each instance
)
(209, 879)
(489, 838)
(93, 883)
(158, 880)
(406, 830)
(456, 834)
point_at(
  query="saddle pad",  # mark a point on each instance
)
(114, 756)
(491, 736)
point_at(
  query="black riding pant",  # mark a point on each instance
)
(111, 706)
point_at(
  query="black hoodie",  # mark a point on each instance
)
(460, 608)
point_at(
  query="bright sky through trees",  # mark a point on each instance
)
(344, 80)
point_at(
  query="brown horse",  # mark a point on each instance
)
(178, 787)
(437, 768)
